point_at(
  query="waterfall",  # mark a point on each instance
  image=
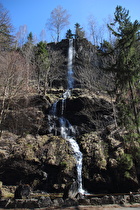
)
(70, 78)
(52, 119)
(67, 131)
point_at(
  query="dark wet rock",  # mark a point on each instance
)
(120, 199)
(111, 199)
(70, 202)
(84, 201)
(31, 203)
(135, 199)
(22, 191)
(20, 203)
(106, 200)
(58, 202)
(79, 196)
(71, 190)
(4, 202)
(44, 202)
(95, 201)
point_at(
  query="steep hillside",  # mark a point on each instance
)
(33, 151)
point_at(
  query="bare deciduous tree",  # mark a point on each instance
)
(96, 31)
(92, 24)
(42, 69)
(43, 35)
(21, 35)
(90, 73)
(12, 66)
(27, 52)
(56, 72)
(59, 18)
(109, 35)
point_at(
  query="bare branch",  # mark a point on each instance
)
(59, 18)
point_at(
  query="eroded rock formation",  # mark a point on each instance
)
(30, 154)
(46, 161)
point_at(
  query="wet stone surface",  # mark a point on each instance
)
(43, 201)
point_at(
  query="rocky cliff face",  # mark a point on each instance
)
(46, 161)
(30, 154)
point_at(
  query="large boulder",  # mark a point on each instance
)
(71, 190)
(106, 165)
(45, 162)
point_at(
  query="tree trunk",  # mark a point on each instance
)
(135, 111)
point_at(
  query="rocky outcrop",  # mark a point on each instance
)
(46, 161)
(46, 201)
(103, 170)
(25, 114)
(86, 111)
(30, 154)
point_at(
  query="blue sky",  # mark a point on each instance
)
(34, 13)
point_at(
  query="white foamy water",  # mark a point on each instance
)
(70, 78)
(67, 131)
(52, 119)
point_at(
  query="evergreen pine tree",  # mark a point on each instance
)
(79, 31)
(43, 67)
(6, 29)
(126, 69)
(69, 34)
(30, 38)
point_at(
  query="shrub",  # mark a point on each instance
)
(126, 162)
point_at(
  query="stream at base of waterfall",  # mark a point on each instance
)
(67, 131)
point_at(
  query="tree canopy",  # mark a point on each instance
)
(126, 68)
(6, 28)
(58, 20)
(79, 32)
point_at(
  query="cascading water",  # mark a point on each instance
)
(66, 129)
(52, 119)
(70, 78)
